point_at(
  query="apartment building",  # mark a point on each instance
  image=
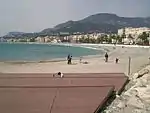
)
(134, 32)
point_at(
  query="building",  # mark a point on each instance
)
(40, 39)
(134, 32)
(47, 39)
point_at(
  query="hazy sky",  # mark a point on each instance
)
(36, 15)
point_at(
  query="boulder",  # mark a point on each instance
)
(121, 105)
(135, 103)
(144, 94)
(141, 83)
(142, 72)
(131, 92)
(135, 76)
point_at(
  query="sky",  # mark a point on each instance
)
(36, 15)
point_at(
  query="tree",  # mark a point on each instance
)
(98, 40)
(102, 38)
(113, 38)
(109, 40)
(120, 39)
(105, 38)
(144, 38)
(81, 40)
(88, 38)
(130, 36)
(92, 40)
(32, 39)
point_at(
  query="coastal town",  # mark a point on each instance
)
(74, 56)
(129, 36)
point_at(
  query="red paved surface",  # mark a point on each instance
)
(35, 93)
(52, 100)
(47, 75)
(118, 82)
(20, 100)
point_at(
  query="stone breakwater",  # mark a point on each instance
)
(136, 97)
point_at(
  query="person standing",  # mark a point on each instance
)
(68, 59)
(106, 57)
(80, 59)
(117, 60)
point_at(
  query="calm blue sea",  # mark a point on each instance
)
(40, 52)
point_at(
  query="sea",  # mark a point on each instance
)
(42, 52)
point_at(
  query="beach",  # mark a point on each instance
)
(137, 91)
(96, 64)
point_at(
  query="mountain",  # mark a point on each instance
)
(102, 22)
(14, 34)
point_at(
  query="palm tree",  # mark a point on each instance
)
(106, 38)
(88, 38)
(120, 39)
(92, 40)
(102, 39)
(109, 40)
(82, 39)
(144, 38)
(113, 37)
(131, 39)
(98, 40)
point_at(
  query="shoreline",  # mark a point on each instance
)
(109, 48)
(79, 44)
(139, 63)
(57, 59)
(96, 63)
(53, 60)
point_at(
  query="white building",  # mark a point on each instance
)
(134, 32)
(56, 41)
(40, 39)
(47, 39)
(128, 41)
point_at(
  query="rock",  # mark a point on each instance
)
(136, 97)
(127, 110)
(130, 92)
(143, 72)
(140, 91)
(135, 103)
(138, 111)
(144, 94)
(148, 79)
(141, 83)
(121, 105)
(130, 84)
(117, 96)
(135, 76)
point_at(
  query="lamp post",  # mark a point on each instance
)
(129, 66)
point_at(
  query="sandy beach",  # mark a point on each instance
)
(96, 64)
(137, 91)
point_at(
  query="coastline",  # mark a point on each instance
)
(58, 59)
(96, 64)
(109, 48)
